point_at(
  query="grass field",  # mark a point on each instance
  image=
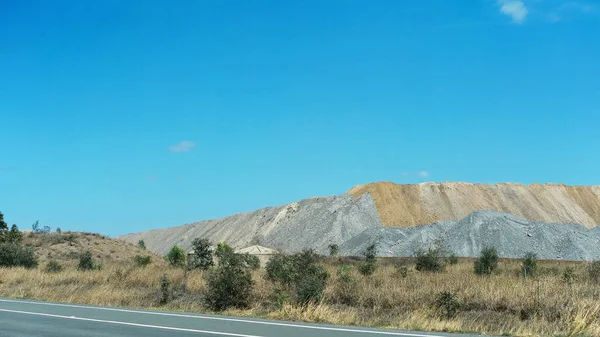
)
(501, 304)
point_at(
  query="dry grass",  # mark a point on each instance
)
(503, 303)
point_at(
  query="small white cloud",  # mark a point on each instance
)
(183, 146)
(515, 9)
(423, 174)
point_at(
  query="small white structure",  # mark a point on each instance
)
(264, 254)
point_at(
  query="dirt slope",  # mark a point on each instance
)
(66, 247)
(421, 204)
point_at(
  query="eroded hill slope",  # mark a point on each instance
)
(421, 204)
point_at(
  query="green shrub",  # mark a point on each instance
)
(452, 259)
(53, 267)
(15, 255)
(165, 290)
(230, 284)
(86, 262)
(142, 261)
(252, 261)
(334, 249)
(447, 303)
(288, 269)
(487, 262)
(366, 268)
(311, 286)
(176, 256)
(203, 255)
(71, 239)
(529, 267)
(301, 273)
(371, 254)
(594, 271)
(141, 244)
(429, 260)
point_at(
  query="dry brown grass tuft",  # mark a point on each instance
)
(503, 303)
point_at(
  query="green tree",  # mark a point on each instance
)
(3, 228)
(202, 258)
(141, 244)
(14, 235)
(230, 284)
(487, 262)
(176, 256)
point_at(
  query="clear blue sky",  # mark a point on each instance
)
(122, 116)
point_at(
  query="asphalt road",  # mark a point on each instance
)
(24, 318)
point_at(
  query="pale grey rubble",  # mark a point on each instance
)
(354, 224)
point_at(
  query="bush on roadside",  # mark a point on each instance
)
(429, 260)
(447, 304)
(53, 267)
(86, 262)
(487, 262)
(299, 273)
(142, 261)
(176, 257)
(165, 290)
(311, 286)
(529, 267)
(15, 255)
(230, 284)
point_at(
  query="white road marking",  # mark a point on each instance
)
(291, 325)
(129, 324)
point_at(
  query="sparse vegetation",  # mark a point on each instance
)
(487, 262)
(493, 305)
(141, 244)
